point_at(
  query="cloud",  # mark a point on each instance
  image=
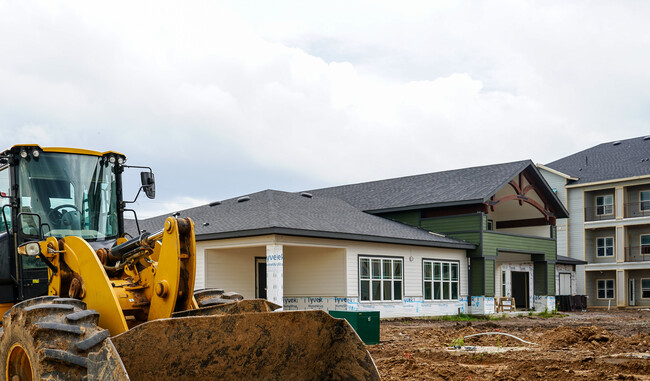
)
(224, 98)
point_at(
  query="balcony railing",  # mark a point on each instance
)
(637, 254)
(599, 213)
(631, 210)
(635, 210)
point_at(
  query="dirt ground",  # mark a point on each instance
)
(592, 345)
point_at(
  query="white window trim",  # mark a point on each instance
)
(605, 247)
(441, 261)
(604, 205)
(613, 289)
(382, 300)
(641, 288)
(642, 201)
(641, 243)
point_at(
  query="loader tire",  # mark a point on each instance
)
(48, 338)
(214, 296)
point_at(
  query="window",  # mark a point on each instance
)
(645, 243)
(605, 247)
(644, 200)
(380, 279)
(503, 284)
(605, 289)
(645, 288)
(440, 280)
(4, 189)
(490, 225)
(604, 205)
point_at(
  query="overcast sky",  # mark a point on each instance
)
(227, 98)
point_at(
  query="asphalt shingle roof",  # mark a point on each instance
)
(454, 187)
(607, 161)
(276, 212)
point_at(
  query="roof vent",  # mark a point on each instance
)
(306, 195)
(215, 203)
(616, 143)
(243, 199)
(206, 223)
(646, 137)
(176, 214)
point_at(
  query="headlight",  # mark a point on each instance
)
(120, 160)
(31, 249)
(112, 159)
(23, 154)
(36, 153)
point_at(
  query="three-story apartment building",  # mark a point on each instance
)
(606, 189)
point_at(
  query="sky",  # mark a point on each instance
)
(227, 98)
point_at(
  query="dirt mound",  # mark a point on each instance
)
(582, 346)
(564, 336)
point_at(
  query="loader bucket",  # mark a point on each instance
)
(246, 306)
(295, 345)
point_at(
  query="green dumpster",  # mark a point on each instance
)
(365, 323)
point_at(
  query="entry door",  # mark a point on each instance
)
(565, 284)
(632, 294)
(519, 284)
(260, 278)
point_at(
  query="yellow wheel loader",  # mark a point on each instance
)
(81, 300)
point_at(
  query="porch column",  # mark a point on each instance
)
(621, 299)
(274, 274)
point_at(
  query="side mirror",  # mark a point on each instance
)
(148, 184)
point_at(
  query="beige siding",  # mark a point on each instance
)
(412, 269)
(313, 271)
(199, 281)
(316, 267)
(535, 231)
(233, 269)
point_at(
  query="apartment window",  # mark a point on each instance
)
(644, 200)
(380, 279)
(645, 243)
(645, 288)
(605, 247)
(604, 205)
(441, 280)
(490, 225)
(605, 289)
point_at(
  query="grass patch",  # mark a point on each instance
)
(466, 317)
(547, 314)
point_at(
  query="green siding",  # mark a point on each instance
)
(411, 217)
(477, 274)
(489, 278)
(550, 278)
(544, 277)
(540, 278)
(452, 224)
(492, 242)
(474, 238)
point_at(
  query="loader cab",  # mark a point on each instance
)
(53, 192)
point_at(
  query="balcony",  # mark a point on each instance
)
(637, 254)
(635, 210)
(599, 213)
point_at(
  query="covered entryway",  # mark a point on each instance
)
(564, 286)
(519, 281)
(296, 276)
(260, 277)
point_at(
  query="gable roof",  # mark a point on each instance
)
(607, 161)
(447, 188)
(276, 212)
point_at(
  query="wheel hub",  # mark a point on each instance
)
(19, 366)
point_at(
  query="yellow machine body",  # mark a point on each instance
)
(130, 312)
